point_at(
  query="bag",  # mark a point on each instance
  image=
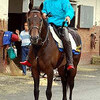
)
(11, 53)
(15, 50)
(14, 37)
(7, 38)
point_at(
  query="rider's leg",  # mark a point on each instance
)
(24, 55)
(67, 48)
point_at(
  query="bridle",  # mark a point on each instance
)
(39, 28)
(41, 21)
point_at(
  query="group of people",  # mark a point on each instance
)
(60, 10)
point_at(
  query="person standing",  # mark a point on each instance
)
(24, 37)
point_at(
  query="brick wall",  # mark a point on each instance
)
(1, 52)
(87, 52)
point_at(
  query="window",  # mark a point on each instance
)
(85, 16)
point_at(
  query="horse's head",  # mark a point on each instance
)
(35, 23)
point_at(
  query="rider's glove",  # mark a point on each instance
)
(68, 19)
(44, 15)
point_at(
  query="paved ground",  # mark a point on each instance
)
(87, 86)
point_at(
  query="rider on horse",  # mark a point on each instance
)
(60, 10)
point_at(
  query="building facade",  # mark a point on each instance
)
(85, 33)
(86, 21)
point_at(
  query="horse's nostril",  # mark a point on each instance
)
(37, 37)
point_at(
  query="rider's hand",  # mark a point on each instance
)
(68, 19)
(17, 32)
(44, 15)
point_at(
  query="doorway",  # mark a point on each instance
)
(16, 20)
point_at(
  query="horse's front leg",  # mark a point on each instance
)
(49, 84)
(36, 78)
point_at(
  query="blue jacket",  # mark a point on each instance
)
(59, 10)
(7, 38)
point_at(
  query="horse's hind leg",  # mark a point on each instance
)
(72, 75)
(71, 86)
(64, 85)
(49, 85)
(64, 79)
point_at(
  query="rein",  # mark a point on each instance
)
(46, 38)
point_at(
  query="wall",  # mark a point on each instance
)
(18, 6)
(98, 12)
(15, 6)
(87, 52)
(25, 7)
(37, 2)
(4, 14)
(96, 5)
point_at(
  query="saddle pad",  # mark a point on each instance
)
(58, 40)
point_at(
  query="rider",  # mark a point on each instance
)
(60, 10)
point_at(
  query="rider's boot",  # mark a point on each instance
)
(67, 49)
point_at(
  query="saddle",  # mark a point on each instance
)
(57, 30)
(74, 38)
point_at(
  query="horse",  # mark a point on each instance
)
(45, 56)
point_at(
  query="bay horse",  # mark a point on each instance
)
(45, 56)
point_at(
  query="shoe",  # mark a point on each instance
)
(23, 74)
(26, 63)
(70, 67)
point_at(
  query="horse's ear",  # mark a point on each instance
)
(41, 6)
(31, 5)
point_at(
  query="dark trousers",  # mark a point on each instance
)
(25, 51)
(67, 46)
